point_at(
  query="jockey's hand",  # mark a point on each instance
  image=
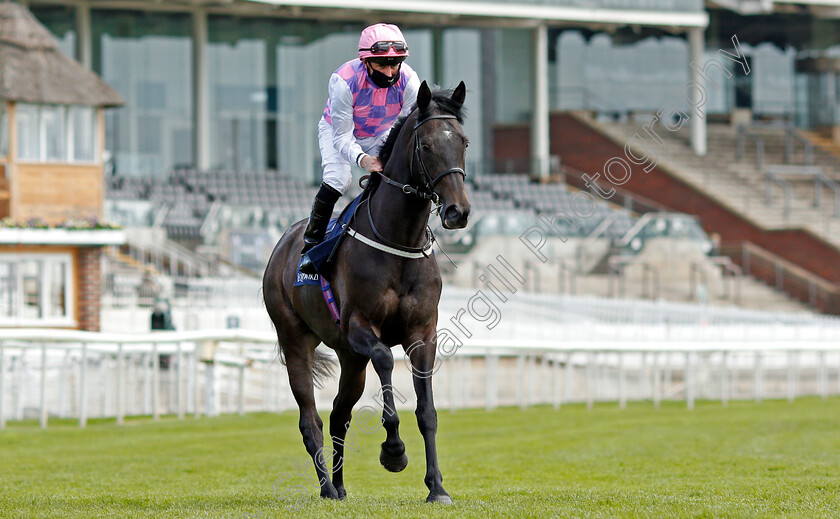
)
(371, 164)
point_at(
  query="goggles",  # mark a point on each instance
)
(382, 47)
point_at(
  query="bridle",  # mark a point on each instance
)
(425, 192)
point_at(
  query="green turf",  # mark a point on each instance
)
(745, 460)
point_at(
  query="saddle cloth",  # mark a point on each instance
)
(320, 253)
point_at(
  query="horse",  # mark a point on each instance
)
(386, 286)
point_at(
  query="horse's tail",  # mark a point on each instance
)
(323, 366)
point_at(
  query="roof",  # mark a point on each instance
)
(34, 70)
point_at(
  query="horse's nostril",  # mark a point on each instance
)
(452, 214)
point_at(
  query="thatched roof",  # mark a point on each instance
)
(34, 70)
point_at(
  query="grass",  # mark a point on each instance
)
(746, 460)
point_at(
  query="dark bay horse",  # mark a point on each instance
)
(386, 285)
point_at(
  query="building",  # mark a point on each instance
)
(51, 179)
(240, 84)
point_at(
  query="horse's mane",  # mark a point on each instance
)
(442, 99)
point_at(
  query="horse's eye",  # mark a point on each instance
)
(467, 145)
(425, 147)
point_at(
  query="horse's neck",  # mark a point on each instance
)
(398, 217)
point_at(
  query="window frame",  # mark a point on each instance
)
(45, 279)
(69, 151)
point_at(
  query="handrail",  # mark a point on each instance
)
(650, 276)
(732, 290)
(804, 286)
(740, 136)
(770, 179)
(628, 200)
(571, 272)
(792, 135)
(827, 182)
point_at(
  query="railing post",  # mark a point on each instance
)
(758, 380)
(745, 259)
(520, 381)
(568, 380)
(823, 376)
(492, 385)
(759, 155)
(196, 387)
(119, 391)
(590, 382)
(689, 381)
(82, 388)
(555, 397)
(657, 381)
(791, 376)
(724, 379)
(622, 382)
(2, 385)
(155, 382)
(210, 408)
(179, 386)
(43, 396)
(241, 403)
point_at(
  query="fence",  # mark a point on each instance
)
(82, 375)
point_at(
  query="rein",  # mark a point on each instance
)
(426, 192)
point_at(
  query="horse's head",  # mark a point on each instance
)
(438, 157)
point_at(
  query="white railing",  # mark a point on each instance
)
(82, 375)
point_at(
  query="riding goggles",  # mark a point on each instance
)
(382, 47)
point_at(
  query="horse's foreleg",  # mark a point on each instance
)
(364, 341)
(350, 388)
(299, 366)
(422, 356)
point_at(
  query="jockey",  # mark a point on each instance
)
(366, 95)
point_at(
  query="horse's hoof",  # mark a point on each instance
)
(393, 463)
(342, 494)
(330, 493)
(439, 498)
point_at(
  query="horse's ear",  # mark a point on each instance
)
(460, 93)
(424, 96)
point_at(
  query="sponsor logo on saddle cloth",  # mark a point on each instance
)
(302, 278)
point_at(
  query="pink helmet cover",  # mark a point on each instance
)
(380, 32)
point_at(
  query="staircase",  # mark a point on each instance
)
(727, 194)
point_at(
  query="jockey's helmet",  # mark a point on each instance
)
(383, 41)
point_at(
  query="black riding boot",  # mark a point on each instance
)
(316, 228)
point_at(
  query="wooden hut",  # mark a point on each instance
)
(52, 187)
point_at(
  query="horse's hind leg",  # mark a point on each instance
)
(298, 345)
(350, 388)
(364, 341)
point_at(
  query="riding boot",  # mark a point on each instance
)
(316, 228)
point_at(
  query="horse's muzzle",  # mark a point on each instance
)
(455, 216)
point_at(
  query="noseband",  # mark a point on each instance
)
(425, 192)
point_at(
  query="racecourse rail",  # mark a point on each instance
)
(80, 375)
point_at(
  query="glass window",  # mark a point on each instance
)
(8, 289)
(54, 128)
(83, 131)
(147, 58)
(29, 140)
(4, 130)
(36, 289)
(58, 290)
(32, 287)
